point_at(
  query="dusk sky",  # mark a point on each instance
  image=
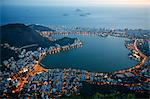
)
(75, 2)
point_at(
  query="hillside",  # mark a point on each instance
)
(40, 28)
(20, 35)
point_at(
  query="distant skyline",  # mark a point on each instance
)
(76, 2)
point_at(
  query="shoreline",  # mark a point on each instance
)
(37, 69)
(135, 66)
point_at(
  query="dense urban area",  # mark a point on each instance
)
(26, 76)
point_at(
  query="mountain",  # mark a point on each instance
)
(64, 41)
(20, 35)
(40, 28)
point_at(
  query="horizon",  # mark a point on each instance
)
(86, 49)
(75, 2)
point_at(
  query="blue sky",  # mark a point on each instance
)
(75, 2)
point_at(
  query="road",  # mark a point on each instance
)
(143, 56)
(32, 45)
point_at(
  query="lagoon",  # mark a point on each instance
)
(98, 54)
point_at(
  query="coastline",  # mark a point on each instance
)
(28, 75)
(37, 69)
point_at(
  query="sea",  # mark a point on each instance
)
(91, 16)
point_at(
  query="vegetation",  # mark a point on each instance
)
(103, 96)
(113, 96)
(20, 35)
(40, 28)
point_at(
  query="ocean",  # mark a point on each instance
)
(93, 16)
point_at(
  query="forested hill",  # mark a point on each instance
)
(20, 35)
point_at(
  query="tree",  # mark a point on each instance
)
(130, 96)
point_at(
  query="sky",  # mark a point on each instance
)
(75, 2)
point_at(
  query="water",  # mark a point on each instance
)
(97, 54)
(105, 17)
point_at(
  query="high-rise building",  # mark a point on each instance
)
(126, 31)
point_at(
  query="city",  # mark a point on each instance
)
(27, 77)
(74, 49)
